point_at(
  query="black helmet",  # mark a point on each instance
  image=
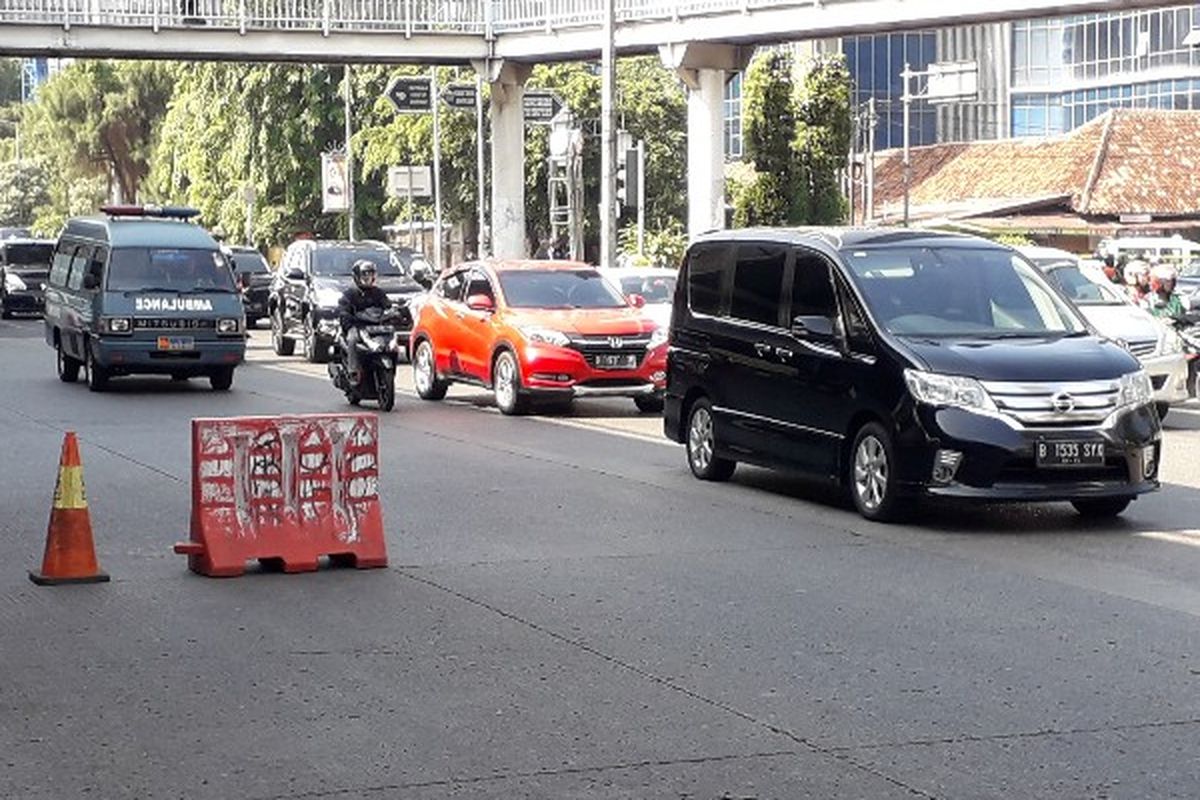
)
(364, 272)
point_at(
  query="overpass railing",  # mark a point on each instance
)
(487, 17)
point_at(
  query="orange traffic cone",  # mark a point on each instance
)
(70, 553)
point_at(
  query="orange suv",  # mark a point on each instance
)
(536, 330)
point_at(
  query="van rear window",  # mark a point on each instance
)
(134, 269)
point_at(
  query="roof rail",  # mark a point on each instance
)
(158, 212)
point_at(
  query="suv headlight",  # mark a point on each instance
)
(118, 325)
(546, 336)
(948, 390)
(1169, 343)
(1136, 389)
(658, 338)
(327, 297)
(13, 283)
(228, 325)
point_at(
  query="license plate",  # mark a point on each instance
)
(617, 361)
(378, 329)
(176, 343)
(1070, 454)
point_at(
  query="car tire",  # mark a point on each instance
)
(425, 379)
(506, 385)
(221, 380)
(315, 350)
(871, 475)
(1101, 507)
(282, 345)
(97, 376)
(702, 445)
(385, 389)
(68, 367)
(1162, 409)
(649, 403)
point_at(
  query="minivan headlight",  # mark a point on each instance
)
(1136, 389)
(948, 390)
(227, 326)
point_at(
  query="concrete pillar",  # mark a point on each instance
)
(507, 117)
(703, 67)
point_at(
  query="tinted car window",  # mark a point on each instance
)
(249, 263)
(79, 266)
(561, 288)
(958, 291)
(1080, 290)
(758, 283)
(812, 289)
(477, 283)
(336, 262)
(145, 268)
(28, 255)
(706, 265)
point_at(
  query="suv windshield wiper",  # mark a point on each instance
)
(209, 290)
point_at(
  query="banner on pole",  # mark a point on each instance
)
(335, 195)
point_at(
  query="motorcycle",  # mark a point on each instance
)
(379, 347)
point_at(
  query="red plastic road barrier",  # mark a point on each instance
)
(285, 490)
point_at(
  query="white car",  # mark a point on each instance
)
(655, 285)
(1048, 256)
(1153, 342)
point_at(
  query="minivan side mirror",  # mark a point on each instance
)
(814, 328)
(91, 282)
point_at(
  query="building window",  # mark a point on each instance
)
(875, 63)
(733, 117)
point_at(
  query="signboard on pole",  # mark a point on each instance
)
(541, 106)
(952, 80)
(334, 184)
(459, 95)
(410, 95)
(410, 180)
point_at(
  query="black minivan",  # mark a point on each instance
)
(902, 363)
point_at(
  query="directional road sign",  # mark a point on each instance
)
(410, 95)
(459, 95)
(541, 106)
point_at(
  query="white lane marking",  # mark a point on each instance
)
(1191, 538)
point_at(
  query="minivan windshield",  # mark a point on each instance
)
(134, 269)
(959, 291)
(332, 262)
(559, 288)
(24, 256)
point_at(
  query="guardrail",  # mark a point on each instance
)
(487, 17)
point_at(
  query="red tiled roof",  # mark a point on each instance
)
(1126, 161)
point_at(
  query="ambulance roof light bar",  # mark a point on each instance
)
(158, 212)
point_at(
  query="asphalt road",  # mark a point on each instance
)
(570, 614)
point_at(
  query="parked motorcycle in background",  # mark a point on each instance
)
(379, 348)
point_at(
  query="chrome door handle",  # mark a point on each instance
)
(784, 353)
(762, 348)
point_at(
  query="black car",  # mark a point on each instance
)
(253, 275)
(310, 280)
(901, 364)
(24, 270)
(415, 263)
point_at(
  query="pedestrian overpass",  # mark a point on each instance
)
(701, 39)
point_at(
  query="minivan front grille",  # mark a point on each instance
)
(1049, 404)
(173, 323)
(1143, 348)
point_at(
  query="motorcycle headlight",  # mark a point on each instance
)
(658, 338)
(228, 325)
(1170, 344)
(1136, 389)
(546, 336)
(13, 283)
(327, 297)
(948, 390)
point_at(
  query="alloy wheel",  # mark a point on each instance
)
(871, 473)
(700, 440)
(423, 368)
(506, 376)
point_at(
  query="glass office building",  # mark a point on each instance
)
(1070, 70)
(875, 63)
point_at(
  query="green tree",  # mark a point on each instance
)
(822, 140)
(769, 195)
(24, 187)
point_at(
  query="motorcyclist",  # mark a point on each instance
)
(1164, 302)
(364, 294)
(1137, 282)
